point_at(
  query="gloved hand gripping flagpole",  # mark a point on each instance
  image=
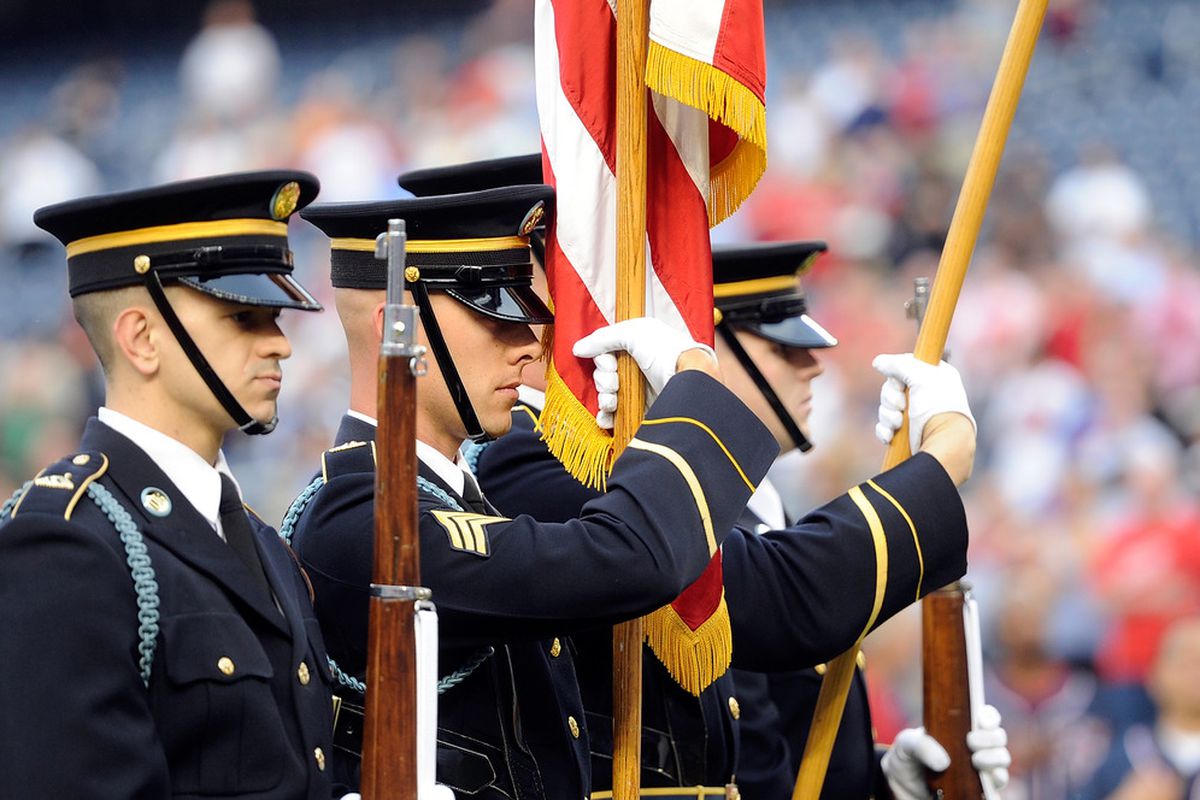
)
(956, 256)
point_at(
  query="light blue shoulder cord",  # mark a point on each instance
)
(471, 451)
(11, 502)
(140, 568)
(287, 529)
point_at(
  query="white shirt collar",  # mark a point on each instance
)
(767, 505)
(534, 398)
(198, 481)
(449, 471)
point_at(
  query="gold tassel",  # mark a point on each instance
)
(724, 99)
(695, 658)
(572, 435)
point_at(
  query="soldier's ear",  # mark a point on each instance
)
(377, 320)
(133, 340)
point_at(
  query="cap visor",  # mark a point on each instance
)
(274, 289)
(801, 331)
(509, 303)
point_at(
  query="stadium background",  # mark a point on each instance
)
(1078, 332)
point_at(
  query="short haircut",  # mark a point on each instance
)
(96, 311)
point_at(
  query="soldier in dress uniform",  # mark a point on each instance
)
(689, 740)
(508, 589)
(158, 638)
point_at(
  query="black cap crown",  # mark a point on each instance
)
(473, 246)
(225, 236)
(474, 176)
(757, 287)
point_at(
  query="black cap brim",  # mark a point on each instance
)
(800, 331)
(508, 303)
(270, 289)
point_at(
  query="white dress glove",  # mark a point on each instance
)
(652, 343)
(915, 751)
(932, 390)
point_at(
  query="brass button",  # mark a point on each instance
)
(574, 726)
(555, 648)
(81, 459)
(303, 674)
(225, 664)
(734, 709)
(319, 755)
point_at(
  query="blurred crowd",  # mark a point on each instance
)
(1078, 330)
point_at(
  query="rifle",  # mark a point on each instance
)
(390, 740)
(947, 706)
(931, 341)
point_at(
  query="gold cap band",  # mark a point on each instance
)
(778, 283)
(484, 245)
(181, 231)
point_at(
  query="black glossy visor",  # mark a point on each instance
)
(800, 331)
(271, 289)
(509, 303)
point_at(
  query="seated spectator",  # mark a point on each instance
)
(1159, 761)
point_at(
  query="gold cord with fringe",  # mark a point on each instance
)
(572, 435)
(695, 658)
(716, 93)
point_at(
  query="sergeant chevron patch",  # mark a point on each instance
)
(467, 531)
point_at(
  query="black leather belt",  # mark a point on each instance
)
(463, 764)
(658, 750)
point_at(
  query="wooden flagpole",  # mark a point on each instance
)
(952, 270)
(633, 24)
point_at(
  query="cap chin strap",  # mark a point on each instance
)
(785, 417)
(437, 343)
(245, 422)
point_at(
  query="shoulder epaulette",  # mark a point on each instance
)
(56, 489)
(347, 459)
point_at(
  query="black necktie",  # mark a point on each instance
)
(238, 534)
(472, 496)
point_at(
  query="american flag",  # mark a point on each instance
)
(706, 149)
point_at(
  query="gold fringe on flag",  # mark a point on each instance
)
(572, 435)
(695, 658)
(703, 86)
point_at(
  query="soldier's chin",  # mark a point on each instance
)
(266, 413)
(499, 427)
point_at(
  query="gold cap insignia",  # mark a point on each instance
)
(141, 264)
(533, 218)
(285, 200)
(155, 501)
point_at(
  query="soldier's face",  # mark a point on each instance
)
(789, 370)
(242, 343)
(490, 355)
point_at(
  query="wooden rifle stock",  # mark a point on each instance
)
(389, 766)
(946, 695)
(952, 270)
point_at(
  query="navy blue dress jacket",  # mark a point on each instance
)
(238, 703)
(515, 726)
(796, 597)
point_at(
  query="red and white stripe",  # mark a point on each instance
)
(575, 46)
